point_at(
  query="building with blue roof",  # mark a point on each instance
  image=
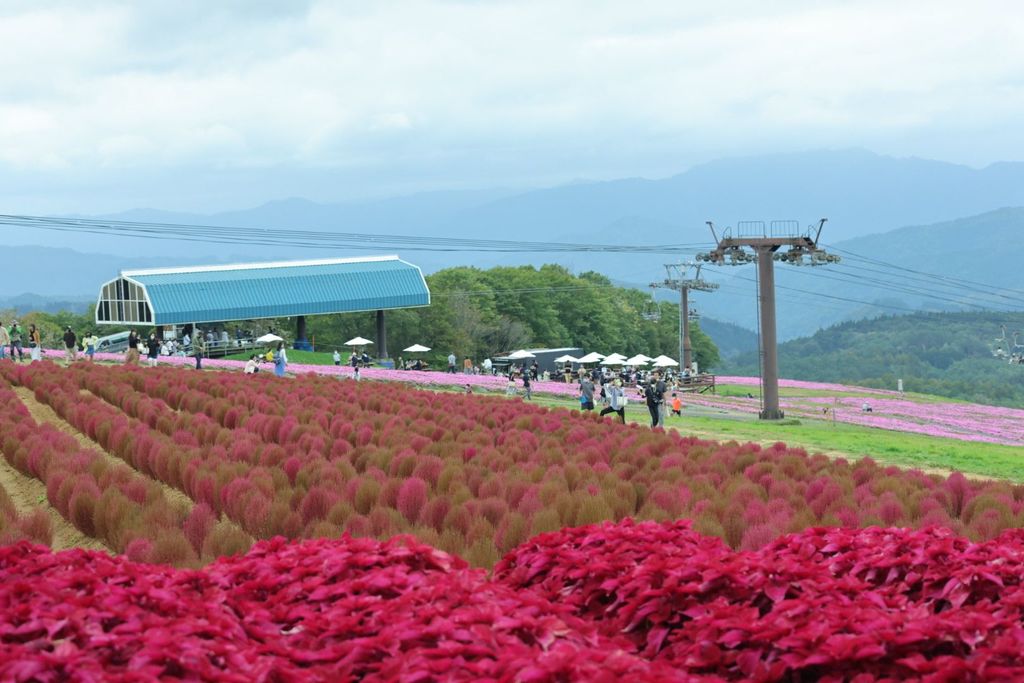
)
(253, 291)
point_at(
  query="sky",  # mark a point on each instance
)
(206, 106)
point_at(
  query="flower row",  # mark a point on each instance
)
(632, 601)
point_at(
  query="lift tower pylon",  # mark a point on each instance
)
(679, 278)
(754, 242)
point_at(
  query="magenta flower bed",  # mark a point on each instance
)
(612, 602)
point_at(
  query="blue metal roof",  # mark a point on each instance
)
(281, 289)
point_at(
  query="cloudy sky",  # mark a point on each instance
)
(206, 105)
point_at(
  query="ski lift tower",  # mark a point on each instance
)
(753, 242)
(676, 277)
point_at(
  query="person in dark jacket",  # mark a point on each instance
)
(70, 345)
(152, 350)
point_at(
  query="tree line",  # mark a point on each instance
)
(476, 313)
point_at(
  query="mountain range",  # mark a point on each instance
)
(962, 223)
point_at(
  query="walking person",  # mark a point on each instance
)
(651, 398)
(35, 343)
(91, 342)
(451, 362)
(280, 360)
(527, 392)
(198, 348)
(661, 389)
(586, 393)
(5, 341)
(152, 350)
(616, 401)
(70, 345)
(354, 360)
(132, 355)
(15, 335)
(337, 357)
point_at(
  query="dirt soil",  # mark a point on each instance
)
(29, 494)
(43, 413)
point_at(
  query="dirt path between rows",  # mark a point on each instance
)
(43, 413)
(29, 494)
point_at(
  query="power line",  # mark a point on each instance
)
(319, 239)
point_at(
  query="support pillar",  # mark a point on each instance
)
(769, 347)
(685, 348)
(301, 342)
(382, 337)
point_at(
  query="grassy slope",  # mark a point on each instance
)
(849, 441)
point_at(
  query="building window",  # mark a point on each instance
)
(122, 301)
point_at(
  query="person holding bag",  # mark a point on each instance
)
(35, 343)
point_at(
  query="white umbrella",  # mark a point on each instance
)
(268, 338)
(358, 341)
(591, 357)
(520, 355)
(665, 362)
(417, 348)
(642, 357)
(637, 360)
(566, 359)
(613, 360)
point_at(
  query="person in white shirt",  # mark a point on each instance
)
(337, 357)
(252, 366)
(487, 366)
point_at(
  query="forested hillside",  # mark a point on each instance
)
(947, 354)
(477, 313)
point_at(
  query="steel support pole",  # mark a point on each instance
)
(769, 350)
(685, 348)
(382, 336)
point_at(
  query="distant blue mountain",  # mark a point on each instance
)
(864, 195)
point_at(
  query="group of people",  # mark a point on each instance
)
(278, 356)
(14, 338)
(611, 390)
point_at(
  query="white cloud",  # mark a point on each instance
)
(576, 87)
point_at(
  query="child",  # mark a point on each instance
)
(677, 405)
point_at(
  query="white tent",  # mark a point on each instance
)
(639, 359)
(520, 355)
(642, 357)
(591, 357)
(268, 338)
(417, 348)
(566, 359)
(665, 362)
(614, 359)
(358, 341)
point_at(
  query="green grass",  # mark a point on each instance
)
(844, 440)
(296, 356)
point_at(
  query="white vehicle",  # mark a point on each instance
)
(114, 343)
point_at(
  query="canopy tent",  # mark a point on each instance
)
(268, 338)
(417, 348)
(642, 357)
(638, 359)
(591, 357)
(520, 355)
(665, 362)
(358, 341)
(566, 359)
